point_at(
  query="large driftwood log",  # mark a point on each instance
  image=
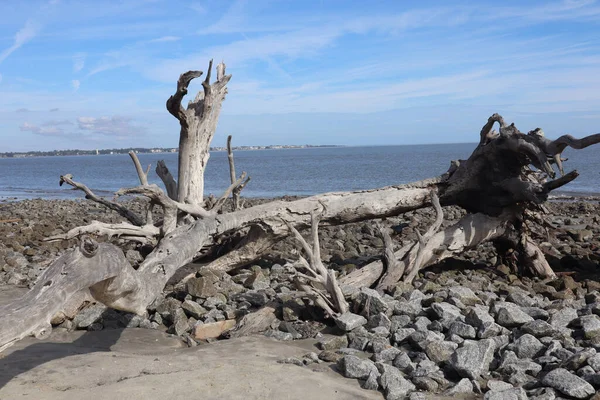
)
(496, 185)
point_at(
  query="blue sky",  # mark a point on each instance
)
(96, 74)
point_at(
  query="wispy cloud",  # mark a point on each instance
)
(78, 62)
(75, 84)
(165, 39)
(50, 128)
(23, 36)
(110, 126)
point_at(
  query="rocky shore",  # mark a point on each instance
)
(467, 326)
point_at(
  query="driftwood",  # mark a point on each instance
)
(507, 175)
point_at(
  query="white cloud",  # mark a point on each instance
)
(78, 62)
(23, 36)
(50, 128)
(109, 126)
(165, 39)
(75, 84)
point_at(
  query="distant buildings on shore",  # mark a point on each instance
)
(144, 150)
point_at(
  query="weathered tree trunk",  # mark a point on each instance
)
(198, 124)
(495, 185)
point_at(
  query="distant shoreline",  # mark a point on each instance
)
(153, 150)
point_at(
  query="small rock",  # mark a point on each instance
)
(473, 358)
(291, 360)
(329, 356)
(463, 330)
(563, 317)
(440, 350)
(349, 321)
(388, 354)
(539, 328)
(212, 330)
(333, 343)
(355, 367)
(498, 386)
(514, 393)
(511, 317)
(568, 383)
(395, 386)
(464, 386)
(88, 316)
(369, 302)
(201, 287)
(193, 309)
(464, 294)
(446, 311)
(527, 346)
(590, 324)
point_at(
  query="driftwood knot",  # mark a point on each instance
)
(88, 246)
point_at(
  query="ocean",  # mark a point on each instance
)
(274, 173)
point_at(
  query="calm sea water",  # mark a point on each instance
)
(274, 172)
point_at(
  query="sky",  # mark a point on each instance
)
(97, 74)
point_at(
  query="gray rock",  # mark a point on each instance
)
(388, 354)
(214, 301)
(544, 393)
(333, 343)
(378, 344)
(399, 321)
(201, 287)
(291, 360)
(464, 386)
(258, 280)
(255, 298)
(563, 317)
(511, 316)
(511, 364)
(440, 350)
(355, 367)
(180, 322)
(464, 294)
(395, 386)
(426, 383)
(590, 324)
(568, 383)
(527, 346)
(421, 324)
(536, 312)
(473, 358)
(379, 320)
(539, 328)
(463, 330)
(349, 321)
(521, 298)
(498, 386)
(88, 316)
(407, 308)
(594, 362)
(445, 311)
(479, 317)
(372, 382)
(279, 335)
(578, 359)
(370, 302)
(402, 334)
(515, 393)
(417, 396)
(404, 363)
(193, 309)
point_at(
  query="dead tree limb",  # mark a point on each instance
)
(165, 175)
(119, 208)
(319, 274)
